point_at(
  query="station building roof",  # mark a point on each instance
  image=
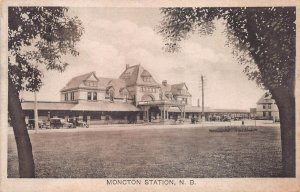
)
(87, 106)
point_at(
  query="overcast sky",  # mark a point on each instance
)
(116, 36)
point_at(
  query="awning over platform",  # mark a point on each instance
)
(195, 109)
(87, 106)
(44, 105)
(104, 106)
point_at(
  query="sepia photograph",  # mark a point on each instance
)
(149, 95)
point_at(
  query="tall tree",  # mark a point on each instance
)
(263, 39)
(38, 37)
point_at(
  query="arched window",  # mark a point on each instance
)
(111, 95)
(147, 98)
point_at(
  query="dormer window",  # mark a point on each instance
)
(146, 76)
(146, 79)
(91, 83)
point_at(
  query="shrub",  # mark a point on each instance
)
(233, 129)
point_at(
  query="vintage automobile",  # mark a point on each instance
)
(81, 123)
(57, 123)
(74, 122)
(31, 124)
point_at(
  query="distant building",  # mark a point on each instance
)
(252, 112)
(133, 97)
(267, 108)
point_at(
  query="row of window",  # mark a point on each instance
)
(71, 96)
(149, 89)
(267, 106)
(91, 83)
(267, 114)
(146, 79)
(92, 96)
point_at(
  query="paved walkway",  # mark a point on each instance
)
(118, 127)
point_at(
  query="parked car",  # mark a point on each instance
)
(31, 124)
(57, 123)
(81, 123)
(74, 122)
(263, 118)
(225, 118)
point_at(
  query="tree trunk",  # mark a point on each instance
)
(24, 148)
(285, 101)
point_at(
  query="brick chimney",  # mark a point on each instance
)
(164, 82)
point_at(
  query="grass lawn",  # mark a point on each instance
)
(175, 152)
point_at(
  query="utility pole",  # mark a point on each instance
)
(202, 84)
(36, 118)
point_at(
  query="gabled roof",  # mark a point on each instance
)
(134, 76)
(179, 86)
(176, 89)
(118, 85)
(165, 88)
(266, 98)
(146, 73)
(77, 82)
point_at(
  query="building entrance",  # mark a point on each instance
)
(153, 113)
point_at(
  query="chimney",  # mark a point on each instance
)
(164, 82)
(127, 66)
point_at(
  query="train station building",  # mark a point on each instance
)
(134, 97)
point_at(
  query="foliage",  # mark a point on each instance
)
(262, 38)
(39, 36)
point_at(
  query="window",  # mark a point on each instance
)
(111, 96)
(270, 113)
(66, 97)
(264, 106)
(146, 79)
(89, 96)
(264, 114)
(95, 96)
(269, 106)
(91, 83)
(72, 96)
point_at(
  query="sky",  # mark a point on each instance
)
(115, 37)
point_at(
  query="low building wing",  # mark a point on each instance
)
(180, 89)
